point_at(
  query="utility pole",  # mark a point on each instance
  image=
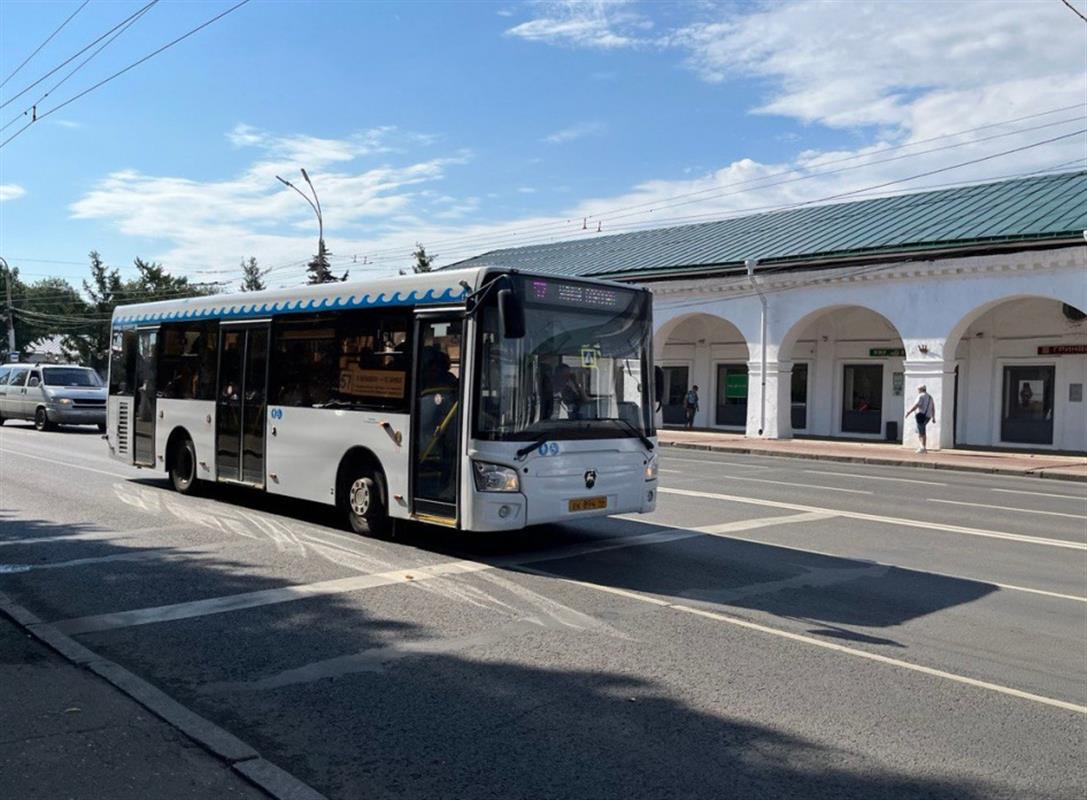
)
(315, 204)
(11, 309)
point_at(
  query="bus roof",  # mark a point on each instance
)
(443, 287)
(431, 288)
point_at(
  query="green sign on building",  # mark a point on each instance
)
(736, 385)
(886, 352)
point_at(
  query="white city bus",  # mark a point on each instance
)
(482, 399)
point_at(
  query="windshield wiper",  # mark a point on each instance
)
(645, 439)
(528, 448)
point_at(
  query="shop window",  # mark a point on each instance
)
(1028, 404)
(351, 359)
(188, 358)
(799, 397)
(731, 394)
(862, 398)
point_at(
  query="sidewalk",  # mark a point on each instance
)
(68, 733)
(1042, 465)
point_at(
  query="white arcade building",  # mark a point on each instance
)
(823, 321)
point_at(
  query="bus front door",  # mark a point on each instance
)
(143, 424)
(436, 419)
(241, 403)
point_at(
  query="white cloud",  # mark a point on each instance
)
(578, 131)
(601, 24)
(10, 191)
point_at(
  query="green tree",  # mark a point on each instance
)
(43, 309)
(253, 275)
(423, 262)
(319, 269)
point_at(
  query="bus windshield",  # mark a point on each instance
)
(580, 372)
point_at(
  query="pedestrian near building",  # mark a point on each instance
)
(690, 406)
(925, 410)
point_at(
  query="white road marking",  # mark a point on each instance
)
(912, 523)
(92, 536)
(790, 483)
(798, 518)
(219, 605)
(815, 642)
(874, 477)
(670, 457)
(67, 464)
(1007, 508)
(762, 522)
(235, 602)
(1081, 498)
(135, 555)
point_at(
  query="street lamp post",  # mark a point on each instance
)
(316, 210)
(11, 310)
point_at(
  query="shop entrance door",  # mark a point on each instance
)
(862, 398)
(1028, 404)
(675, 390)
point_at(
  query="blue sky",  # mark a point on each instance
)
(473, 125)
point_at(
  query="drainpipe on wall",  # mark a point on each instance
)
(751, 263)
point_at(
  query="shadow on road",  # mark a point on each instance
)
(536, 713)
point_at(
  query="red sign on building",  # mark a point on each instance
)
(1062, 349)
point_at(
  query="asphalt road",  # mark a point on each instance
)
(778, 628)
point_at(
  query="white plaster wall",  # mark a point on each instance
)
(833, 317)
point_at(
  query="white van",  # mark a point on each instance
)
(52, 394)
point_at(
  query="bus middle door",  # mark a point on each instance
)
(241, 403)
(436, 415)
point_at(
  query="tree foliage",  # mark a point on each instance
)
(319, 269)
(423, 261)
(253, 275)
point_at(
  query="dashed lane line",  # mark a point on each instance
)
(911, 523)
(787, 483)
(724, 532)
(1081, 498)
(874, 477)
(812, 641)
(763, 522)
(58, 462)
(1008, 508)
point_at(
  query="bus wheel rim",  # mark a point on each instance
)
(360, 497)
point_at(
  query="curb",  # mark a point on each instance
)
(242, 758)
(876, 460)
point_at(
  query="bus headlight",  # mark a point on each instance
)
(495, 477)
(651, 470)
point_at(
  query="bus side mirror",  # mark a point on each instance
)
(658, 383)
(512, 315)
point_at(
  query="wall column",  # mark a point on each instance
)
(779, 401)
(938, 376)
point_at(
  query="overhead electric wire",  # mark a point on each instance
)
(718, 191)
(121, 72)
(72, 58)
(1075, 10)
(48, 39)
(31, 108)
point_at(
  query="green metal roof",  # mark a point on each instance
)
(1041, 208)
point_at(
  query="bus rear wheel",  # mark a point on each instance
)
(364, 504)
(183, 467)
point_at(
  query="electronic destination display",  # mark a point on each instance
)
(564, 293)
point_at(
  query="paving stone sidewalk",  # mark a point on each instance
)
(67, 733)
(1040, 464)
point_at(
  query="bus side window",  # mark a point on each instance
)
(122, 366)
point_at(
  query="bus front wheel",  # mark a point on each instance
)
(364, 504)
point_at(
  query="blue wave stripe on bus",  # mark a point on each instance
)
(244, 310)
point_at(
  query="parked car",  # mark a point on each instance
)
(52, 394)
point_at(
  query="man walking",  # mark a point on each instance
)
(690, 406)
(926, 413)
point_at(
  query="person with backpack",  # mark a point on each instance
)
(926, 413)
(690, 407)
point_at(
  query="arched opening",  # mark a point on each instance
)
(847, 374)
(1021, 363)
(711, 353)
